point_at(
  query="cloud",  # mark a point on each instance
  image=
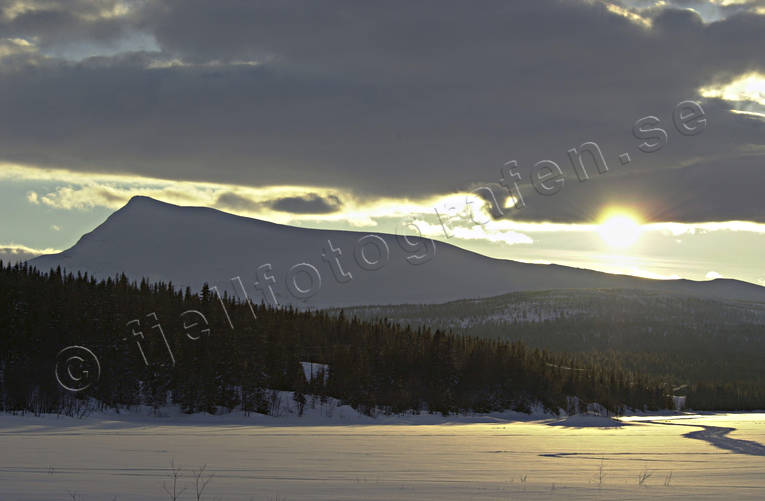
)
(68, 197)
(465, 215)
(713, 275)
(13, 253)
(232, 201)
(14, 46)
(307, 204)
(749, 87)
(67, 21)
(404, 100)
(466, 230)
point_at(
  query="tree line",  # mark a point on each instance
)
(158, 345)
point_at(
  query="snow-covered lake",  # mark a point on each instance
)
(421, 458)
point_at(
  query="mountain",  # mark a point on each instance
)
(193, 245)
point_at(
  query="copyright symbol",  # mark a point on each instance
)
(77, 368)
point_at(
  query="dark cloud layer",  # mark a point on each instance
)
(393, 99)
(308, 204)
(311, 203)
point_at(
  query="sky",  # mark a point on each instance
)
(454, 120)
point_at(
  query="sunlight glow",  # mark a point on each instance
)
(749, 87)
(620, 230)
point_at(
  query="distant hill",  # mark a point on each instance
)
(608, 307)
(189, 246)
(711, 344)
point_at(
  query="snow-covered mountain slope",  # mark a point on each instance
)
(193, 245)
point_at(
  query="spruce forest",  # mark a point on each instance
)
(208, 353)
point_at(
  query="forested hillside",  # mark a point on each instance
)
(714, 346)
(238, 359)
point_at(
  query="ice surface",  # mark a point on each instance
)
(425, 457)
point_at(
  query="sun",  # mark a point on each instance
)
(620, 231)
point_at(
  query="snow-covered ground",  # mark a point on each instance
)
(351, 457)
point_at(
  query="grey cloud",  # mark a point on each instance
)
(66, 21)
(310, 203)
(395, 99)
(232, 201)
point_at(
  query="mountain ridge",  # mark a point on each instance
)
(189, 246)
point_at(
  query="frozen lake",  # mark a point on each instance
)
(102, 458)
